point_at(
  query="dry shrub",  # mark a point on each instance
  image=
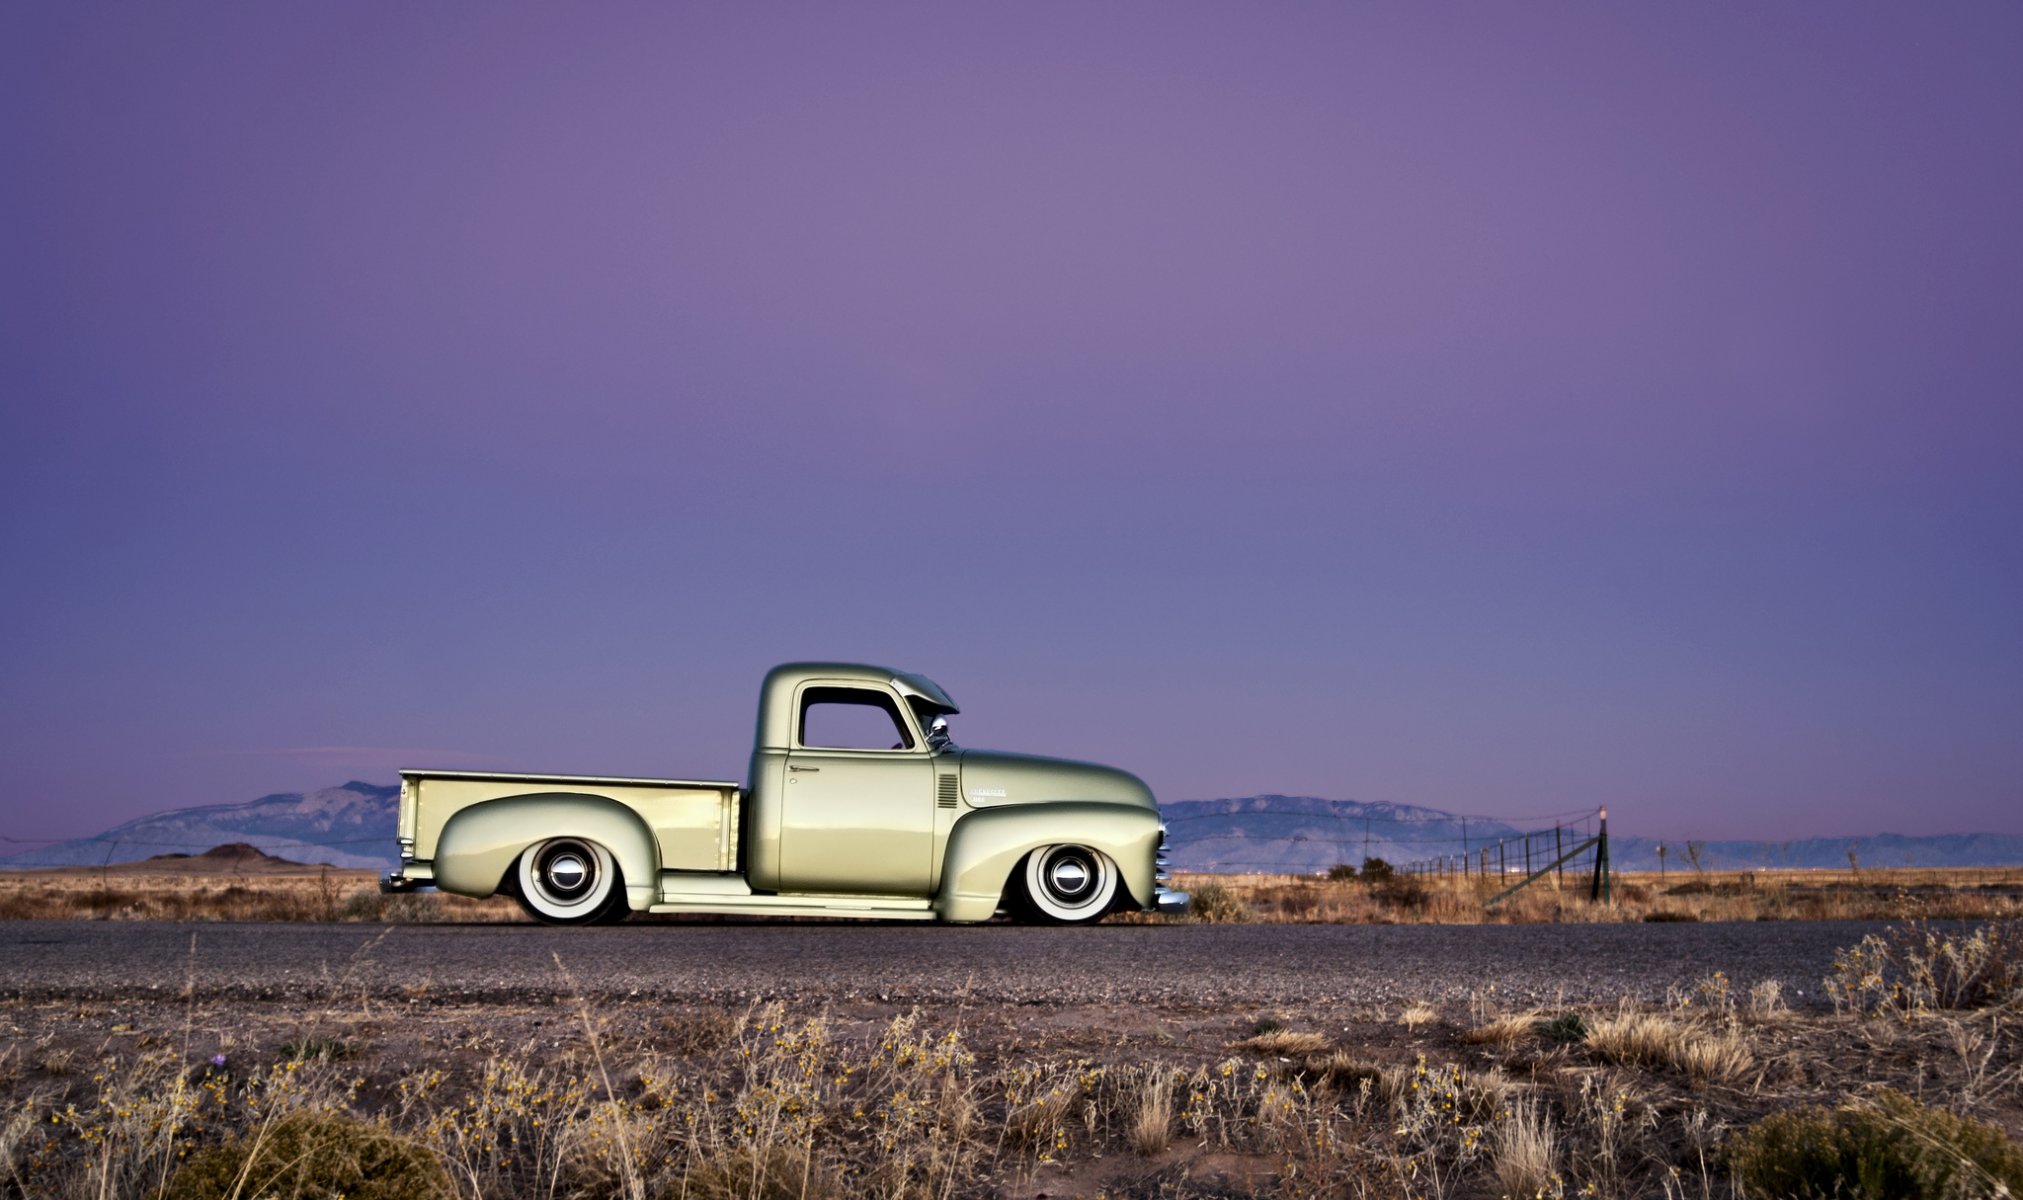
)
(1524, 1151)
(1766, 1001)
(20, 1132)
(1291, 903)
(697, 1030)
(1565, 1029)
(1418, 1013)
(1635, 1037)
(1151, 1129)
(1887, 1147)
(1912, 968)
(1639, 1038)
(297, 895)
(1400, 891)
(1040, 1122)
(1710, 1056)
(1217, 904)
(1287, 1042)
(310, 1156)
(774, 1172)
(1344, 1071)
(1507, 1029)
(1442, 1115)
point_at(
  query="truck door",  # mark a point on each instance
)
(859, 810)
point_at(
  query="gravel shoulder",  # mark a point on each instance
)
(1161, 965)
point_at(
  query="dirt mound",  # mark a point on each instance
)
(240, 852)
(229, 854)
(232, 856)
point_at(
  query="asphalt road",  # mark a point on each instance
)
(1157, 964)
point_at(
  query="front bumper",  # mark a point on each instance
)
(1164, 899)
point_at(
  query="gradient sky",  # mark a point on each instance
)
(1508, 408)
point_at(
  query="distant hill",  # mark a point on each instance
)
(347, 826)
(1306, 833)
(1878, 850)
(1296, 834)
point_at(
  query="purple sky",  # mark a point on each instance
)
(1504, 408)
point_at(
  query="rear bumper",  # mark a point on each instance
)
(407, 877)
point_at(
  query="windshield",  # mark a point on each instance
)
(927, 712)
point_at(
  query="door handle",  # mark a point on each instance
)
(791, 767)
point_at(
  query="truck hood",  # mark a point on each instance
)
(995, 777)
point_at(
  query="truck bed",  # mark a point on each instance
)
(694, 821)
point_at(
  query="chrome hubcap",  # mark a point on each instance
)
(1069, 877)
(568, 872)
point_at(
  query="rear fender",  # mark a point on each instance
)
(478, 846)
(986, 844)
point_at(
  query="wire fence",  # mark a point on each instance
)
(1340, 842)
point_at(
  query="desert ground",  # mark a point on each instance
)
(290, 1032)
(1186, 1060)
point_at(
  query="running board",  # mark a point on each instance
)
(800, 906)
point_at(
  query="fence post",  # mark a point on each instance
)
(1527, 855)
(1482, 872)
(1501, 870)
(1558, 851)
(1600, 889)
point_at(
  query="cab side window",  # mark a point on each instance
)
(835, 718)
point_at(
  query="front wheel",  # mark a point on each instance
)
(1069, 885)
(570, 881)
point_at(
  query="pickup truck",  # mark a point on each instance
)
(856, 804)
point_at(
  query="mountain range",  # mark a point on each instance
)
(352, 825)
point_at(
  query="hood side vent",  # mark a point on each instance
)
(947, 793)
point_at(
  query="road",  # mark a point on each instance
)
(1165, 965)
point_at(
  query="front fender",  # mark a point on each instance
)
(478, 845)
(986, 844)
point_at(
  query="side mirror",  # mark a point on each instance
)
(937, 732)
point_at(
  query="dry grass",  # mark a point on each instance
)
(309, 893)
(1524, 1155)
(1871, 894)
(1418, 1013)
(133, 893)
(1152, 1129)
(1284, 1041)
(570, 1102)
(1700, 1049)
(1914, 968)
(1506, 1029)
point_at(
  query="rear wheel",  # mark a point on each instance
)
(570, 881)
(1068, 885)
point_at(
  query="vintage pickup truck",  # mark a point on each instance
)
(856, 804)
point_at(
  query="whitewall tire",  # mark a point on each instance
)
(570, 881)
(1069, 885)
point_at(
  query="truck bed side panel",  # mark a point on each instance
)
(694, 824)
